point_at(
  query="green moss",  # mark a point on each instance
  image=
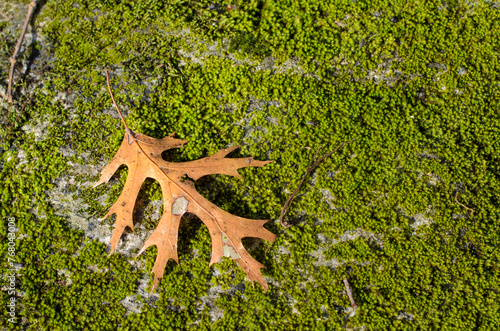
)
(426, 135)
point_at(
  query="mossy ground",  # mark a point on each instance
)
(415, 83)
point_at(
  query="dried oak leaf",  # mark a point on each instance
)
(142, 155)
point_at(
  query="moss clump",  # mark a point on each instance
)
(415, 84)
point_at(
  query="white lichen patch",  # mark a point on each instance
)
(21, 155)
(261, 104)
(328, 197)
(66, 274)
(207, 303)
(66, 205)
(434, 179)
(228, 251)
(291, 64)
(131, 305)
(431, 178)
(351, 235)
(405, 316)
(350, 311)
(322, 261)
(419, 220)
(325, 243)
(40, 130)
(179, 206)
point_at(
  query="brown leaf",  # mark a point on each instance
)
(142, 155)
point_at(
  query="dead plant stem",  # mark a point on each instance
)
(13, 58)
(349, 293)
(456, 199)
(310, 168)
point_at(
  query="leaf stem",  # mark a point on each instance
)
(114, 102)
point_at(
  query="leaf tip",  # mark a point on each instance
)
(111, 251)
(142, 250)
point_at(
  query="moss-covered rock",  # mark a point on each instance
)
(408, 212)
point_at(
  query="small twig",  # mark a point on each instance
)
(13, 58)
(310, 168)
(286, 224)
(456, 199)
(349, 293)
(15, 120)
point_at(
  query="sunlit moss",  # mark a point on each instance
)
(415, 84)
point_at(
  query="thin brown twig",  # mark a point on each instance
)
(13, 58)
(456, 199)
(310, 168)
(15, 120)
(283, 222)
(349, 293)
